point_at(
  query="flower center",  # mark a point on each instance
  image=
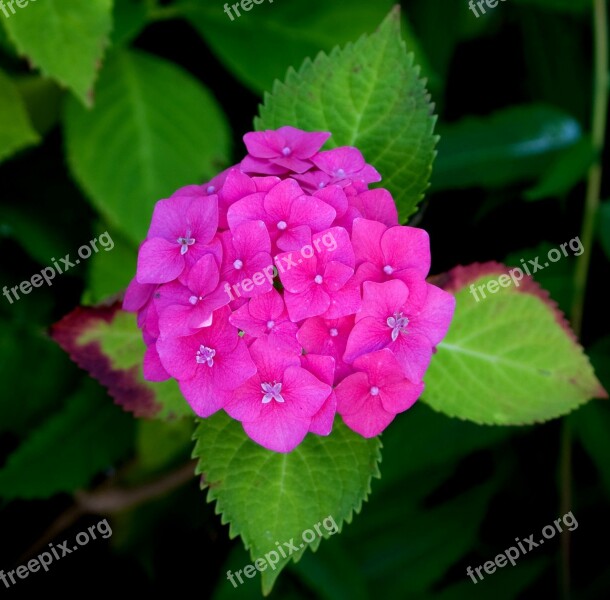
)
(340, 173)
(238, 264)
(185, 242)
(398, 324)
(211, 189)
(334, 332)
(388, 270)
(318, 279)
(374, 390)
(287, 151)
(271, 391)
(282, 225)
(270, 324)
(321, 185)
(194, 299)
(205, 355)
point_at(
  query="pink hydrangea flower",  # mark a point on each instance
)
(346, 166)
(323, 367)
(180, 231)
(277, 404)
(276, 152)
(289, 214)
(410, 331)
(246, 252)
(351, 324)
(323, 284)
(369, 399)
(266, 316)
(328, 337)
(209, 365)
(183, 309)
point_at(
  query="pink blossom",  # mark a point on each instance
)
(323, 367)
(276, 405)
(285, 150)
(266, 316)
(323, 284)
(369, 399)
(209, 364)
(346, 165)
(389, 320)
(185, 308)
(328, 337)
(376, 205)
(289, 214)
(180, 230)
(246, 255)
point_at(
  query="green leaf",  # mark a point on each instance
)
(284, 34)
(109, 273)
(508, 359)
(570, 168)
(160, 443)
(268, 497)
(451, 439)
(153, 129)
(129, 18)
(369, 95)
(511, 145)
(36, 397)
(106, 342)
(53, 460)
(16, 130)
(65, 39)
(42, 98)
(604, 227)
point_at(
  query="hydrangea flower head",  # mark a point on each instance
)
(285, 292)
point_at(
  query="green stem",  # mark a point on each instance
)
(592, 200)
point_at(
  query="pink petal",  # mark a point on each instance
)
(407, 247)
(376, 205)
(159, 261)
(277, 431)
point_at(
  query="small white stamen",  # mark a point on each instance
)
(388, 270)
(272, 392)
(238, 264)
(270, 324)
(340, 173)
(318, 279)
(211, 189)
(334, 332)
(374, 390)
(398, 323)
(193, 300)
(185, 242)
(205, 355)
(286, 151)
(282, 225)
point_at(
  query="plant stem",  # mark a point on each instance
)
(592, 200)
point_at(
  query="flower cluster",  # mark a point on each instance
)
(349, 326)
